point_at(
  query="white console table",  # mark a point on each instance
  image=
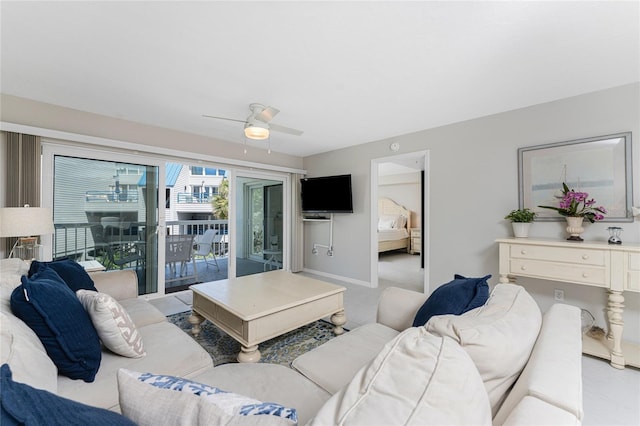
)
(615, 268)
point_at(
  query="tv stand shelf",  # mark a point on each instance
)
(316, 219)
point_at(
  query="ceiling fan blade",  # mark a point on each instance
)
(267, 114)
(224, 118)
(284, 129)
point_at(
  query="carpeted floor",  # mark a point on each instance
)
(279, 350)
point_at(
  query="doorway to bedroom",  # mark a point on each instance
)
(399, 231)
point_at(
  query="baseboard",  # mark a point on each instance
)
(338, 277)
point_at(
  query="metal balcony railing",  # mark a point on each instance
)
(191, 198)
(111, 197)
(87, 241)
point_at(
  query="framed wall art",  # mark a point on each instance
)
(600, 166)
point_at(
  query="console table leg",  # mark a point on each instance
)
(195, 319)
(507, 279)
(615, 308)
(249, 354)
(338, 319)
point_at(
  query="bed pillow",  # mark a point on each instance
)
(417, 379)
(113, 324)
(57, 317)
(71, 273)
(150, 399)
(498, 336)
(401, 222)
(455, 298)
(22, 404)
(386, 222)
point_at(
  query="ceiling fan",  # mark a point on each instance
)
(257, 125)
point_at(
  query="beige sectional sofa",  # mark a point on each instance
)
(169, 349)
(547, 391)
(383, 369)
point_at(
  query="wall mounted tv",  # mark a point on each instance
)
(327, 194)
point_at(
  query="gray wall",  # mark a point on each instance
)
(474, 183)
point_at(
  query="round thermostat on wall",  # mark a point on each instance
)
(394, 146)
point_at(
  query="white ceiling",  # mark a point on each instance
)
(344, 72)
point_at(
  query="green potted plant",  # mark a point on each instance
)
(521, 221)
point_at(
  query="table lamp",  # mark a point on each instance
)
(26, 223)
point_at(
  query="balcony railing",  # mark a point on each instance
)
(111, 197)
(191, 198)
(86, 241)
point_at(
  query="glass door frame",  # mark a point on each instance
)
(285, 179)
(52, 148)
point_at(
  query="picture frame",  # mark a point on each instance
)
(600, 166)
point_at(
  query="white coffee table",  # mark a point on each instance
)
(259, 307)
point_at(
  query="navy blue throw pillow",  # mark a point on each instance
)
(70, 271)
(25, 405)
(454, 298)
(63, 326)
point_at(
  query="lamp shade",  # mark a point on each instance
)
(25, 221)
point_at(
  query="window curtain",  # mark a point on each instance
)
(23, 167)
(297, 229)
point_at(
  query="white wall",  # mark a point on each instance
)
(474, 183)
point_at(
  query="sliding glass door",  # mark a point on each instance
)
(105, 214)
(114, 210)
(259, 219)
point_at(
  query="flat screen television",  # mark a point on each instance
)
(327, 194)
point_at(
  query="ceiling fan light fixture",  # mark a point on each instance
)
(256, 131)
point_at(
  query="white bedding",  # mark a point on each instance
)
(392, 234)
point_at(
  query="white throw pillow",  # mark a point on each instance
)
(21, 348)
(402, 222)
(386, 222)
(10, 272)
(113, 324)
(150, 399)
(416, 379)
(498, 336)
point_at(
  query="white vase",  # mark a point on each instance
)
(574, 228)
(521, 229)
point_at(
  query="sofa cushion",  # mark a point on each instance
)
(55, 314)
(71, 273)
(418, 379)
(554, 370)
(141, 312)
(455, 297)
(532, 411)
(169, 351)
(150, 399)
(321, 364)
(269, 382)
(498, 336)
(23, 351)
(113, 324)
(23, 404)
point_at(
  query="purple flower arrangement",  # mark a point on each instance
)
(578, 204)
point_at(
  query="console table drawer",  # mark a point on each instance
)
(589, 275)
(559, 254)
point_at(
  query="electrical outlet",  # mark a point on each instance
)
(558, 295)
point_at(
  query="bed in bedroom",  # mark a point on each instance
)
(394, 223)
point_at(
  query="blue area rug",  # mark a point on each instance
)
(279, 350)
